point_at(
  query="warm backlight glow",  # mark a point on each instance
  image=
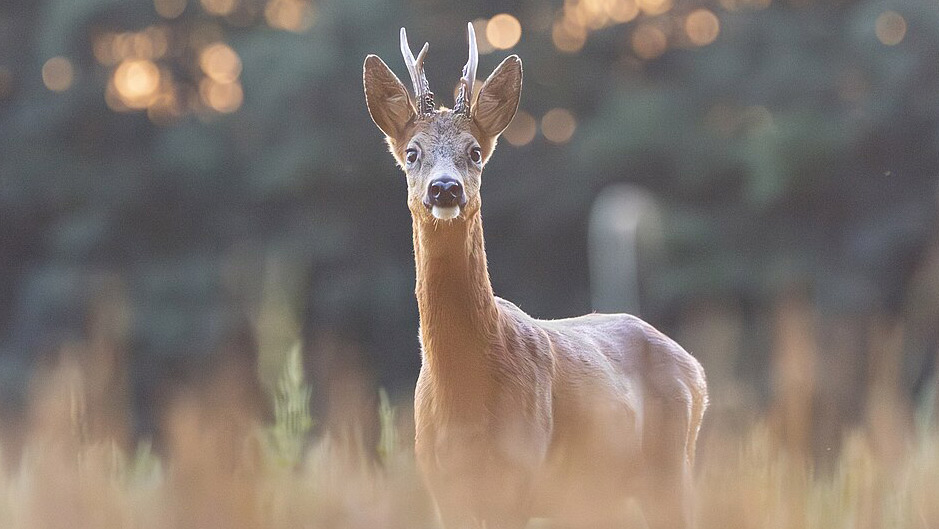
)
(218, 7)
(597, 14)
(112, 48)
(649, 41)
(136, 82)
(503, 31)
(590, 13)
(890, 28)
(558, 125)
(578, 18)
(291, 15)
(622, 11)
(220, 62)
(102, 47)
(482, 41)
(567, 36)
(522, 129)
(221, 97)
(169, 8)
(58, 74)
(654, 7)
(702, 27)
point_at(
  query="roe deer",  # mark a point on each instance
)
(517, 417)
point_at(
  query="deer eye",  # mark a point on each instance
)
(410, 155)
(476, 154)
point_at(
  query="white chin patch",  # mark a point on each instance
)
(445, 213)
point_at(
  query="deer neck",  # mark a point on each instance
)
(459, 318)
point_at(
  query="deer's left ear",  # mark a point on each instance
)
(387, 99)
(498, 98)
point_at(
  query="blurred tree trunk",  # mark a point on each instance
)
(795, 356)
(889, 420)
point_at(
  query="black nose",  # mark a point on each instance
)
(446, 192)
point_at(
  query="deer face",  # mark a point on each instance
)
(442, 151)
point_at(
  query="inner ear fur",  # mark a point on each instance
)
(499, 97)
(388, 102)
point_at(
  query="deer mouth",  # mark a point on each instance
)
(445, 197)
(445, 212)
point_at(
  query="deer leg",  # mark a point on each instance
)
(666, 502)
(476, 504)
(461, 517)
(666, 493)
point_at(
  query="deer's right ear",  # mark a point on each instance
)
(498, 99)
(387, 99)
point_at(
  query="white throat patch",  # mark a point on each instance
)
(449, 213)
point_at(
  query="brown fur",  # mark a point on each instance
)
(518, 417)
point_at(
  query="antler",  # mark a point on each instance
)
(423, 97)
(465, 96)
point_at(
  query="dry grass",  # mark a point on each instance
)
(750, 484)
(222, 468)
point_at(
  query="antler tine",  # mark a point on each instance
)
(465, 96)
(423, 97)
(419, 62)
(409, 61)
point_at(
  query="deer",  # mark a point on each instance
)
(515, 417)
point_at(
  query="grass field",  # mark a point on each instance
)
(221, 468)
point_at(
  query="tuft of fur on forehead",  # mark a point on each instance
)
(443, 126)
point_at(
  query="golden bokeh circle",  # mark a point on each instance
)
(503, 31)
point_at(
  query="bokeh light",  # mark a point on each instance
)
(221, 97)
(220, 62)
(567, 36)
(522, 129)
(101, 47)
(111, 48)
(558, 125)
(503, 31)
(482, 41)
(649, 41)
(141, 80)
(136, 82)
(291, 15)
(702, 27)
(169, 8)
(622, 11)
(218, 7)
(58, 74)
(890, 28)
(654, 7)
(590, 13)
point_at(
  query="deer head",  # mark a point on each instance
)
(442, 151)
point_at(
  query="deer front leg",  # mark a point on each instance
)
(498, 500)
(666, 500)
(456, 514)
(459, 517)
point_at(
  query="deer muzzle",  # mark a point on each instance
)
(444, 197)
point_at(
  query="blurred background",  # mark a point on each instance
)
(180, 196)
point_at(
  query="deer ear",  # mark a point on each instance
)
(498, 98)
(387, 98)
